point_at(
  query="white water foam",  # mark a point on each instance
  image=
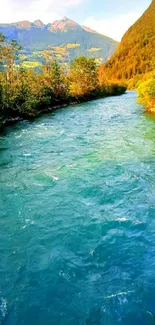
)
(3, 307)
(125, 293)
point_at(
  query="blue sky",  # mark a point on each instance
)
(109, 17)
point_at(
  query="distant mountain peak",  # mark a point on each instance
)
(38, 23)
(64, 25)
(65, 18)
(23, 24)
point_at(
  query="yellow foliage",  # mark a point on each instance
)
(146, 93)
(72, 46)
(94, 49)
(30, 64)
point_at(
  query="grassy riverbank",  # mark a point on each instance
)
(15, 112)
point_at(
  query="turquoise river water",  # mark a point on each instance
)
(77, 217)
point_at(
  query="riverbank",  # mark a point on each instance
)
(26, 93)
(113, 91)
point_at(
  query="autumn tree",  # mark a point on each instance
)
(146, 93)
(26, 93)
(83, 77)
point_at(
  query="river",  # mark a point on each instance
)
(77, 216)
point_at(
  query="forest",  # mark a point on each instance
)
(135, 55)
(133, 62)
(25, 93)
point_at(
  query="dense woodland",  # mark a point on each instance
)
(135, 55)
(24, 93)
(133, 62)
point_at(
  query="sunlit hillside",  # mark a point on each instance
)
(136, 53)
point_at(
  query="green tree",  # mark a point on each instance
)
(24, 93)
(83, 77)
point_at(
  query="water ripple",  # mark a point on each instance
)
(77, 226)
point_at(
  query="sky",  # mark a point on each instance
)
(109, 17)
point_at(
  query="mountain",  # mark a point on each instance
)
(38, 23)
(65, 25)
(64, 38)
(135, 54)
(89, 30)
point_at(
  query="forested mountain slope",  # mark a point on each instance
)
(135, 54)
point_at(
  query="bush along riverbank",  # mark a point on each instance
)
(25, 93)
(146, 93)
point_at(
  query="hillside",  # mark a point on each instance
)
(65, 39)
(136, 53)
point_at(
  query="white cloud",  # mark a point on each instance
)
(113, 27)
(46, 10)
(56, 4)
